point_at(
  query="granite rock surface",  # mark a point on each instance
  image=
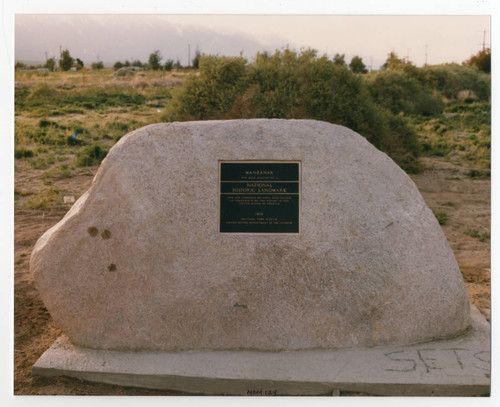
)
(138, 262)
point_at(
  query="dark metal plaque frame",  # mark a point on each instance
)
(259, 197)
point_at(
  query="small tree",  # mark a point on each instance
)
(96, 66)
(66, 61)
(339, 60)
(118, 65)
(50, 64)
(154, 60)
(19, 65)
(357, 65)
(177, 64)
(482, 60)
(196, 60)
(394, 63)
(169, 64)
(79, 63)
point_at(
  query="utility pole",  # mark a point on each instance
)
(484, 39)
(189, 55)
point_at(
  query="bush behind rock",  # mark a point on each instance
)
(401, 93)
(90, 155)
(292, 85)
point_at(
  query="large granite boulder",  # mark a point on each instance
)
(139, 263)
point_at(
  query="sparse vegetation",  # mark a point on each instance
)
(90, 155)
(44, 198)
(23, 153)
(442, 217)
(64, 126)
(463, 131)
(482, 236)
(478, 173)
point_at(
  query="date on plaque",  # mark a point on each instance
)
(259, 196)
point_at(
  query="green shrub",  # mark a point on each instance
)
(44, 198)
(48, 136)
(43, 123)
(450, 79)
(95, 97)
(478, 173)
(442, 217)
(211, 94)
(44, 100)
(482, 236)
(90, 155)
(401, 93)
(23, 153)
(117, 126)
(65, 171)
(275, 87)
(117, 129)
(42, 163)
(464, 132)
(67, 110)
(401, 143)
(21, 93)
(74, 140)
(302, 86)
(41, 94)
(289, 85)
(482, 60)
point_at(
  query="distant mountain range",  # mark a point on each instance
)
(126, 37)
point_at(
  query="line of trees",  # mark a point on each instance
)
(66, 62)
(480, 61)
(154, 63)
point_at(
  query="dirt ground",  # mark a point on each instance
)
(444, 186)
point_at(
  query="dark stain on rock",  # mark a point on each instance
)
(239, 305)
(112, 267)
(106, 234)
(92, 231)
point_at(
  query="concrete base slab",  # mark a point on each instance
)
(453, 367)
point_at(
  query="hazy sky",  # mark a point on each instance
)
(449, 38)
(119, 37)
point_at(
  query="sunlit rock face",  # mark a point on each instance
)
(139, 262)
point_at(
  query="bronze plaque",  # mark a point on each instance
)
(259, 196)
